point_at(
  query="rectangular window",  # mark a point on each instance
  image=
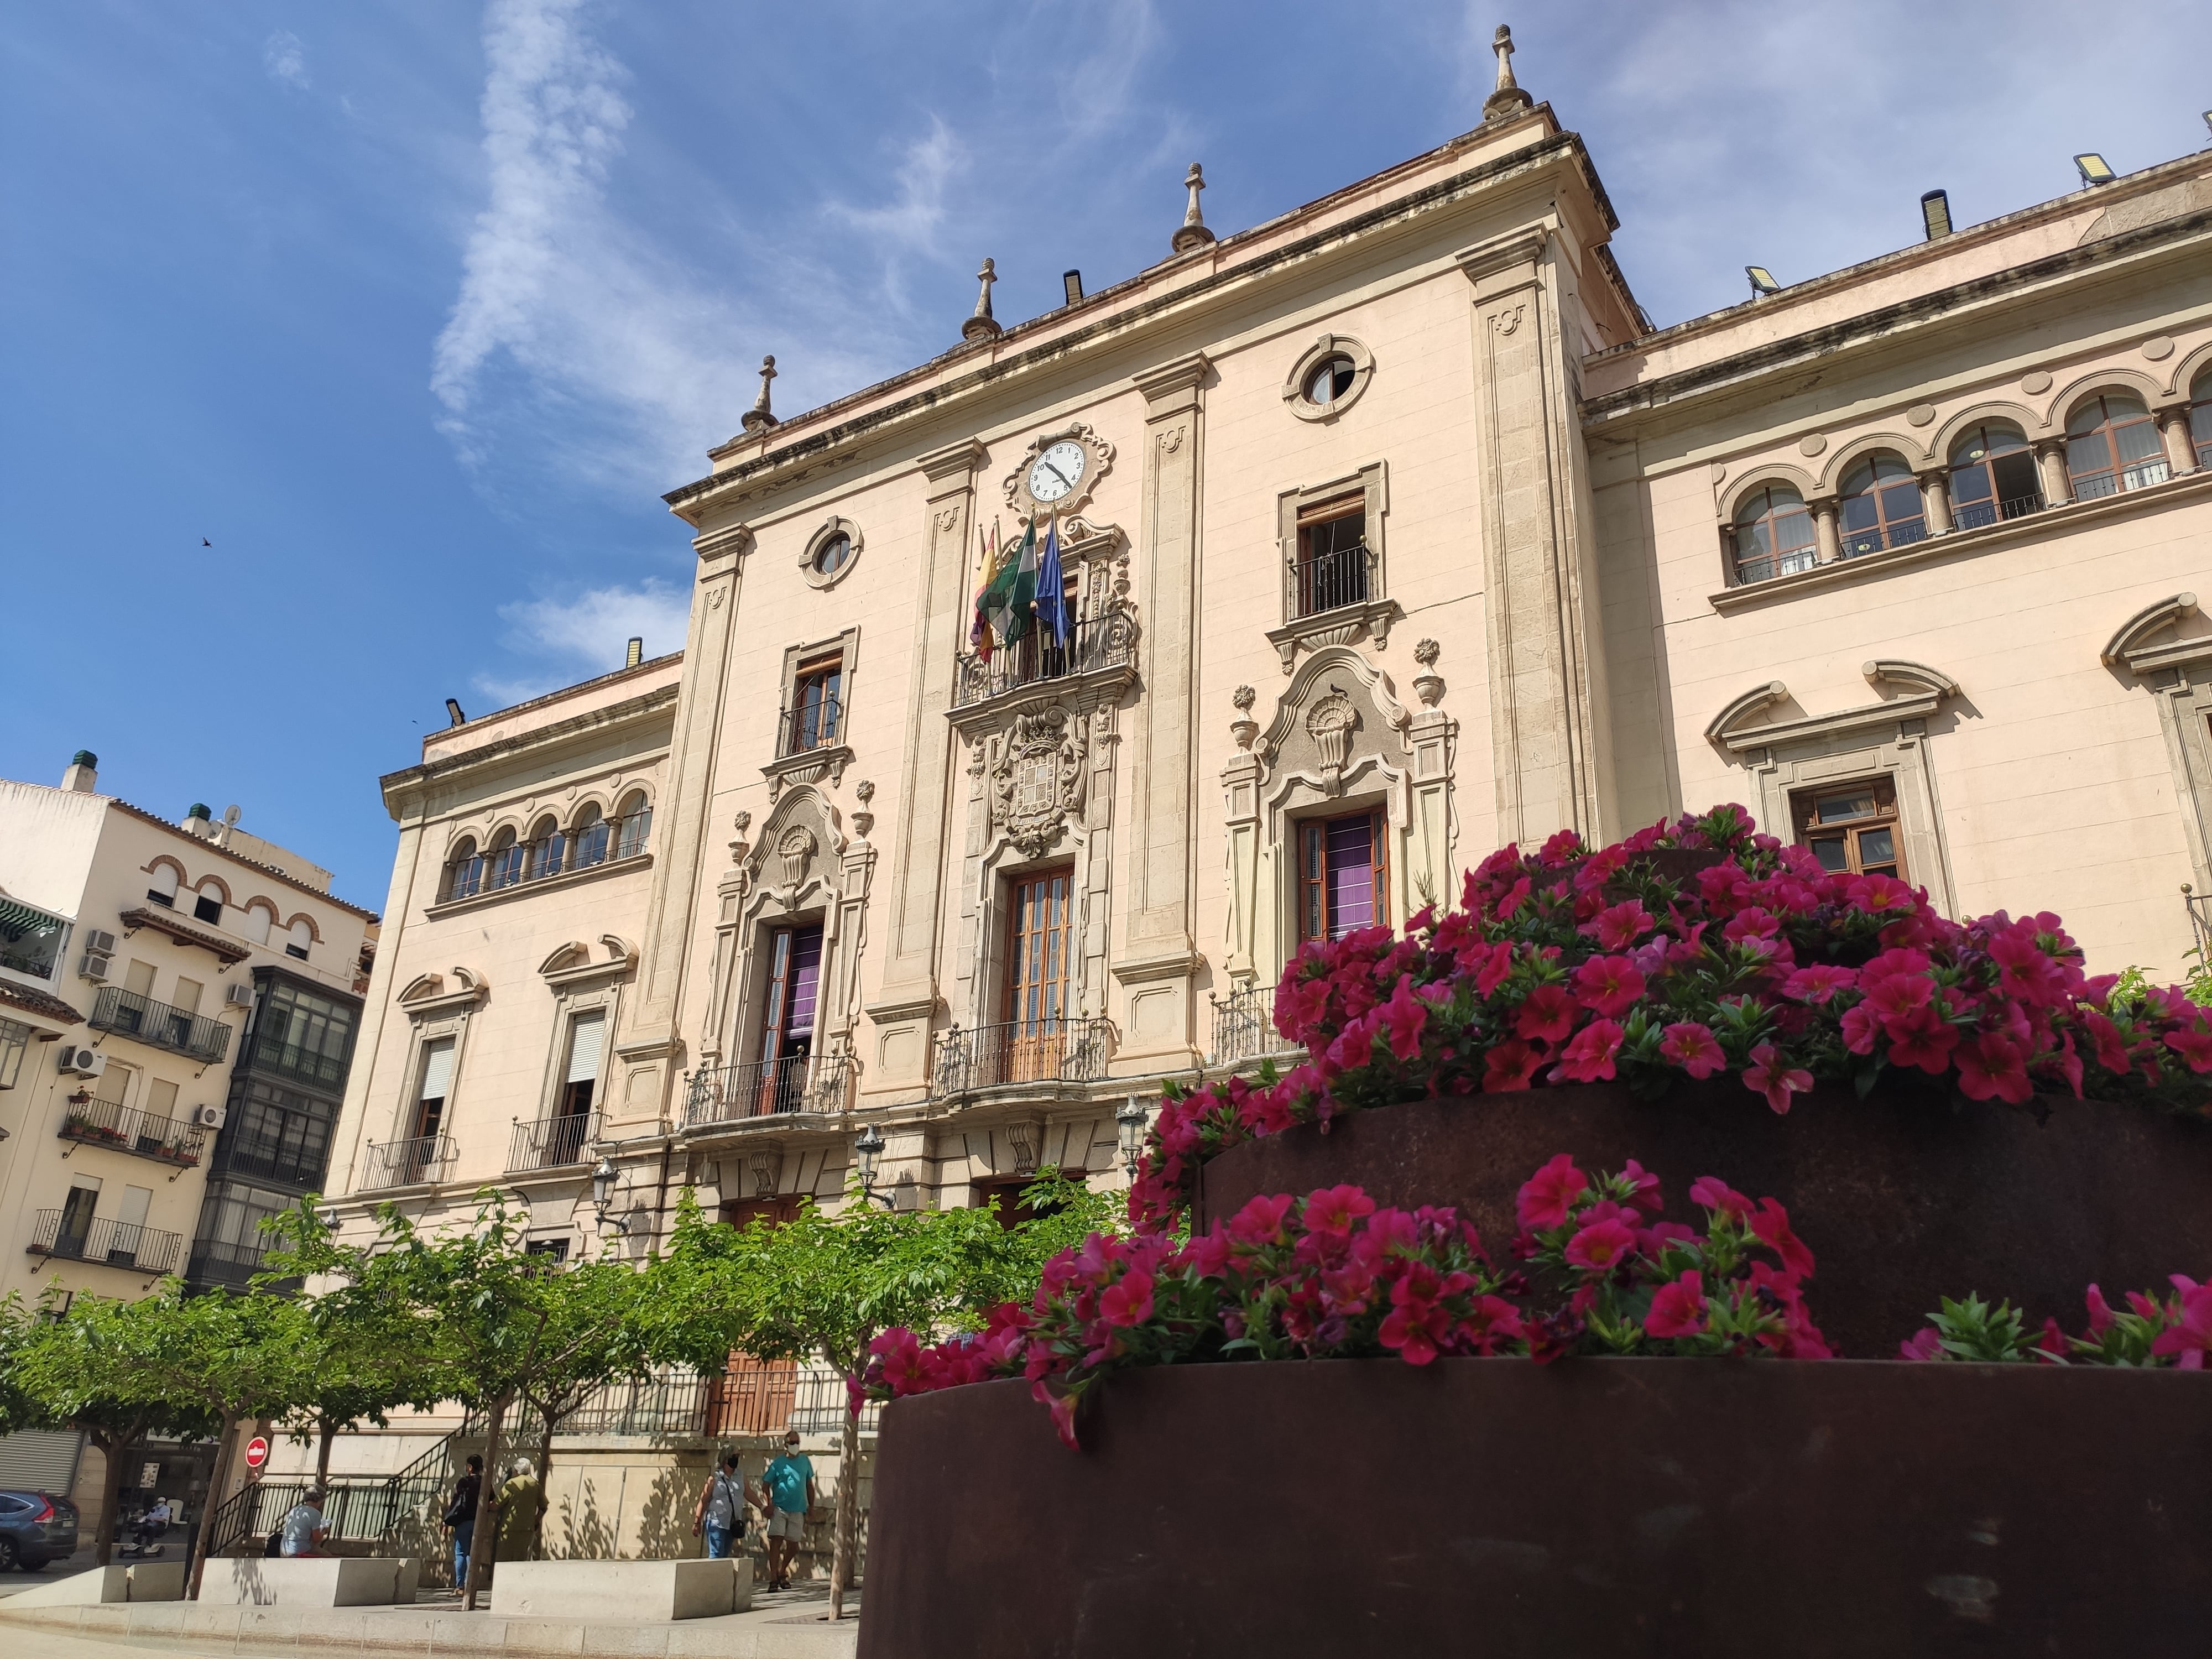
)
(308, 1036)
(138, 979)
(1344, 875)
(787, 1015)
(437, 1083)
(76, 1215)
(278, 1134)
(1333, 555)
(207, 907)
(553, 1249)
(161, 1097)
(15, 1042)
(1852, 827)
(816, 717)
(1040, 924)
(586, 1038)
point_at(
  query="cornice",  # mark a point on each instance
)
(655, 701)
(997, 363)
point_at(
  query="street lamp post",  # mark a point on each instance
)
(1130, 1122)
(868, 1154)
(603, 1195)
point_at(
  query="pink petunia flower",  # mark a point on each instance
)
(1511, 1066)
(2100, 1312)
(1546, 1014)
(1926, 1343)
(1403, 1016)
(1608, 985)
(1260, 1220)
(1128, 1299)
(2194, 1046)
(1546, 1198)
(1588, 1058)
(1601, 1247)
(1678, 1309)
(1770, 1226)
(1693, 1048)
(1992, 1065)
(1618, 926)
(1768, 1075)
(1818, 984)
(2192, 1335)
(1643, 1186)
(1712, 1193)
(1332, 1209)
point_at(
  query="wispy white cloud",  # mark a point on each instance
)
(913, 217)
(284, 55)
(563, 641)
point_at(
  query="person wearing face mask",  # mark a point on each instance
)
(787, 1494)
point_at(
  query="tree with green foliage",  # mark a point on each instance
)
(591, 1338)
(820, 1287)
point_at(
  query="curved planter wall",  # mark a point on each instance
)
(1903, 1199)
(1493, 1507)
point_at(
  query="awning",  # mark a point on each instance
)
(18, 920)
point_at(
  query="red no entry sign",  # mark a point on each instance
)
(257, 1452)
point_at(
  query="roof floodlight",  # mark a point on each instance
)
(1762, 281)
(2094, 168)
(1935, 214)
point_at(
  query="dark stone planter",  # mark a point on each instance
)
(1492, 1507)
(1902, 1198)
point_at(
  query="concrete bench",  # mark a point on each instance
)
(622, 1590)
(347, 1581)
(147, 1581)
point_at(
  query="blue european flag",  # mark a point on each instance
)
(1051, 602)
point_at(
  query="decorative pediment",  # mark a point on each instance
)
(798, 852)
(1337, 707)
(2171, 634)
(577, 961)
(1920, 692)
(430, 994)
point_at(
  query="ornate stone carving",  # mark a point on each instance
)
(1428, 685)
(1330, 723)
(864, 820)
(1244, 728)
(1036, 772)
(739, 845)
(765, 1164)
(1017, 483)
(1024, 1139)
(794, 853)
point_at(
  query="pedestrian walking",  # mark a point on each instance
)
(787, 1494)
(722, 1512)
(460, 1518)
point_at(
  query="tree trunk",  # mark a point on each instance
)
(485, 1540)
(849, 1507)
(225, 1450)
(329, 1428)
(537, 1521)
(115, 1445)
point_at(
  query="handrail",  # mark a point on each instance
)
(127, 1013)
(1104, 641)
(1344, 576)
(1244, 1026)
(1058, 1048)
(133, 1129)
(106, 1241)
(795, 1083)
(406, 1163)
(553, 1143)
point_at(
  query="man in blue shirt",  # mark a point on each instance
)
(787, 1494)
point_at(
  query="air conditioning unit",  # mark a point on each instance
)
(94, 967)
(208, 1117)
(238, 996)
(100, 942)
(81, 1061)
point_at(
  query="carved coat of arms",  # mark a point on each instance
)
(1036, 776)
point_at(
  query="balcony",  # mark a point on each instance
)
(160, 1026)
(820, 1083)
(812, 726)
(563, 852)
(215, 1262)
(1056, 1050)
(1979, 515)
(1331, 581)
(104, 1123)
(553, 1143)
(408, 1163)
(1094, 644)
(106, 1242)
(1244, 1027)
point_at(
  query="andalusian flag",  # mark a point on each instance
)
(979, 628)
(1013, 592)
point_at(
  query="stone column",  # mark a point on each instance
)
(648, 1050)
(1240, 792)
(2051, 461)
(1935, 499)
(1433, 735)
(906, 1002)
(1540, 603)
(1827, 540)
(1161, 959)
(2174, 426)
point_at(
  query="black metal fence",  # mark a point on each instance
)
(810, 725)
(552, 1143)
(1338, 577)
(1058, 1049)
(128, 1014)
(1979, 515)
(105, 1240)
(129, 1129)
(1244, 1026)
(796, 1082)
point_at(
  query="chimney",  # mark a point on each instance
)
(83, 774)
(197, 817)
(636, 652)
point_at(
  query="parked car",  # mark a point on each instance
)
(35, 1528)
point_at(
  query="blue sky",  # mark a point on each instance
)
(413, 309)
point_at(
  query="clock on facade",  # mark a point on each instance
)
(1059, 470)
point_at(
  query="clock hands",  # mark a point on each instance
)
(1058, 474)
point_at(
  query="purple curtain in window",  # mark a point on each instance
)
(1351, 875)
(805, 983)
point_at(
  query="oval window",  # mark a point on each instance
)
(831, 556)
(1330, 379)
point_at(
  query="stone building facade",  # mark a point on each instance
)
(1392, 532)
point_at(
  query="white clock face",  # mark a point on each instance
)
(1055, 473)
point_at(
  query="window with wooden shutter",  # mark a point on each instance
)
(1343, 876)
(1852, 828)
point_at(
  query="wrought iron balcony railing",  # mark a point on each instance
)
(1343, 576)
(1106, 640)
(563, 853)
(813, 725)
(156, 1023)
(105, 1240)
(1244, 1026)
(1058, 1049)
(796, 1082)
(553, 1143)
(128, 1129)
(1979, 515)
(409, 1163)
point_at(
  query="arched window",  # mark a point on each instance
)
(161, 886)
(634, 824)
(2112, 445)
(506, 862)
(260, 918)
(1992, 475)
(207, 903)
(548, 847)
(465, 874)
(591, 834)
(302, 934)
(1773, 534)
(1880, 505)
(2200, 417)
